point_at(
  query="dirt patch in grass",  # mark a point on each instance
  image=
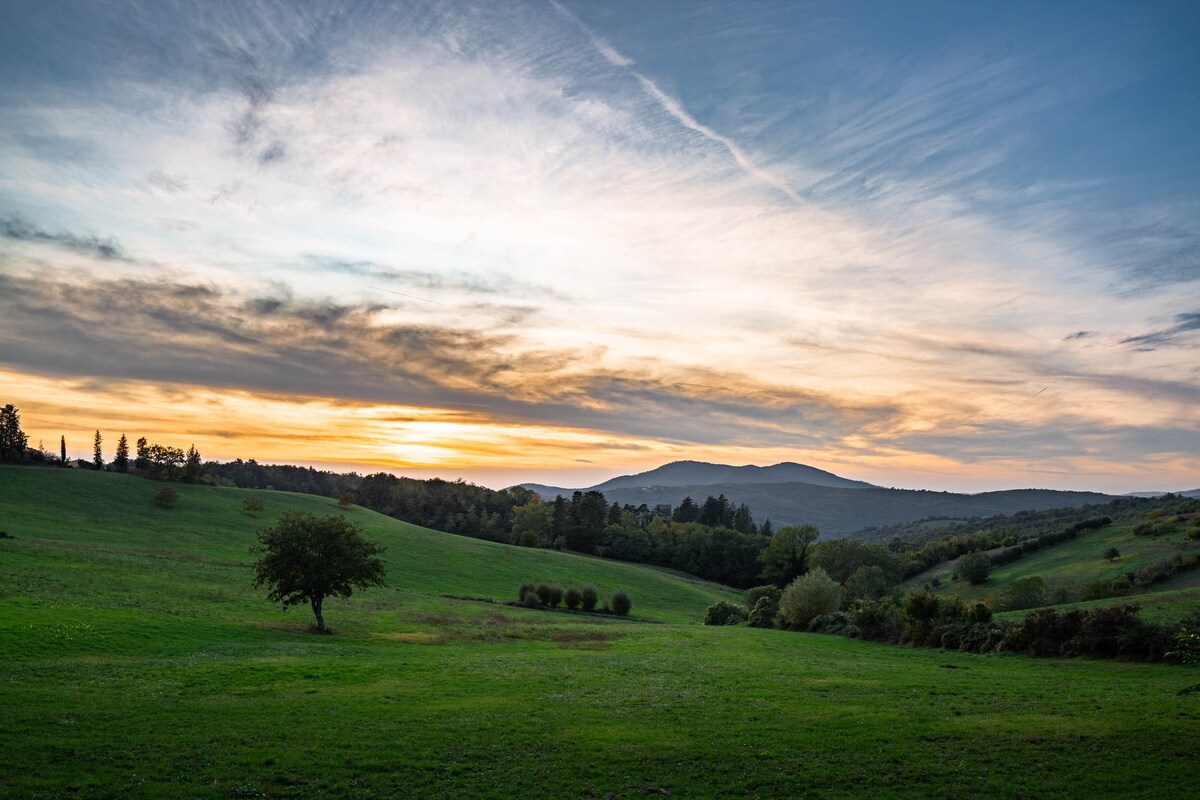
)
(587, 640)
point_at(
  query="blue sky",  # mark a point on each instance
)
(946, 245)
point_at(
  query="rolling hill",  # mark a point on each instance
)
(108, 515)
(140, 662)
(701, 473)
(841, 512)
(1067, 566)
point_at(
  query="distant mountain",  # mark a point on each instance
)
(698, 473)
(701, 473)
(839, 512)
(1188, 493)
(794, 494)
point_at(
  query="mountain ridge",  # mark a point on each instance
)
(701, 473)
(838, 506)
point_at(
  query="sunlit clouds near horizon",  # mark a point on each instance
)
(953, 248)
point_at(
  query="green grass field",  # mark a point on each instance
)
(138, 661)
(1075, 562)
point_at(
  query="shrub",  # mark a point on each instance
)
(812, 594)
(527, 589)
(978, 612)
(867, 583)
(572, 598)
(952, 635)
(556, 596)
(984, 637)
(1187, 648)
(770, 592)
(920, 613)
(1111, 553)
(166, 497)
(1100, 588)
(621, 604)
(836, 623)
(974, 567)
(1025, 593)
(763, 614)
(252, 506)
(588, 597)
(878, 620)
(543, 593)
(725, 613)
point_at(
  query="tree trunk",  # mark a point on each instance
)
(316, 607)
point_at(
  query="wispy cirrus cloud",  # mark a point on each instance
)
(1172, 335)
(17, 228)
(503, 209)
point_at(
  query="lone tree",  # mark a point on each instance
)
(62, 446)
(308, 558)
(97, 453)
(975, 567)
(1111, 554)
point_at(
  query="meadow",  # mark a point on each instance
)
(1073, 563)
(139, 661)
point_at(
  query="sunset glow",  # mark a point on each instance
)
(551, 243)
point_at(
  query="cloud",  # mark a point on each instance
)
(1184, 324)
(15, 227)
(482, 208)
(201, 334)
(676, 109)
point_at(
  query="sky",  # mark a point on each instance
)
(930, 245)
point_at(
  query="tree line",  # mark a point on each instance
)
(152, 460)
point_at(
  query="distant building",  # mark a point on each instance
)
(662, 510)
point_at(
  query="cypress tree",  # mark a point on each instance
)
(121, 461)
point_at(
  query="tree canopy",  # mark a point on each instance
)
(307, 558)
(12, 439)
(786, 556)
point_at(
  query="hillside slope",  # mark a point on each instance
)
(1066, 567)
(140, 663)
(106, 513)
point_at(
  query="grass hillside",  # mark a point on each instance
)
(68, 514)
(140, 663)
(1071, 564)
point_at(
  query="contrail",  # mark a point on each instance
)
(676, 109)
(402, 294)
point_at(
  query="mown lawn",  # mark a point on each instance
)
(149, 667)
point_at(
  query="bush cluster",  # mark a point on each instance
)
(725, 613)
(763, 602)
(545, 595)
(925, 619)
(1136, 580)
